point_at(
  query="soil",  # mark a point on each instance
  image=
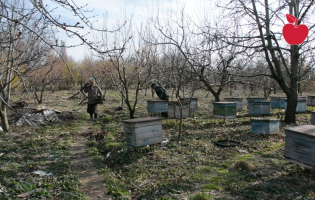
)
(93, 186)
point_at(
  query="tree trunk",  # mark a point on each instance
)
(291, 108)
(217, 97)
(131, 113)
(4, 119)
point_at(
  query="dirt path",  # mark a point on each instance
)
(92, 186)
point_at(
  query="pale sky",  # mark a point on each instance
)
(114, 9)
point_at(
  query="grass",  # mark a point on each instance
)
(194, 168)
(42, 149)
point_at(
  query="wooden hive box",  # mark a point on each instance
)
(156, 106)
(300, 144)
(301, 105)
(278, 102)
(173, 110)
(311, 100)
(265, 126)
(143, 131)
(238, 101)
(259, 108)
(313, 117)
(257, 99)
(224, 110)
(192, 103)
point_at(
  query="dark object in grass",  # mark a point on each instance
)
(227, 143)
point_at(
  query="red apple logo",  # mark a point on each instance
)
(293, 33)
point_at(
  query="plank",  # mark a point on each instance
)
(300, 144)
(142, 124)
(301, 156)
(144, 142)
(144, 129)
(305, 131)
(298, 163)
(143, 119)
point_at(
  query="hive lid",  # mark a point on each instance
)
(158, 100)
(176, 102)
(143, 119)
(224, 102)
(233, 98)
(267, 120)
(304, 129)
(194, 98)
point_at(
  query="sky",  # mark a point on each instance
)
(141, 9)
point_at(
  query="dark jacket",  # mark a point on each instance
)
(93, 93)
(161, 92)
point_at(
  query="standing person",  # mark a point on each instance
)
(162, 94)
(93, 91)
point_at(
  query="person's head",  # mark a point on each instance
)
(92, 81)
(153, 85)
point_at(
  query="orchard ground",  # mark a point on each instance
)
(90, 160)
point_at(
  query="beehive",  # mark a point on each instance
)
(192, 103)
(277, 102)
(313, 118)
(156, 106)
(257, 99)
(300, 144)
(259, 108)
(143, 131)
(265, 126)
(173, 109)
(224, 110)
(238, 101)
(311, 100)
(301, 105)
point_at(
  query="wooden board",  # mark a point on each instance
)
(265, 126)
(173, 110)
(313, 118)
(300, 144)
(259, 108)
(277, 102)
(311, 100)
(258, 99)
(301, 105)
(192, 103)
(131, 141)
(143, 131)
(238, 101)
(299, 163)
(224, 110)
(156, 106)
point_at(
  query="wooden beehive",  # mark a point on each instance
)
(224, 110)
(143, 131)
(313, 117)
(301, 105)
(259, 108)
(173, 109)
(300, 144)
(156, 106)
(277, 102)
(265, 126)
(257, 99)
(238, 101)
(192, 103)
(311, 100)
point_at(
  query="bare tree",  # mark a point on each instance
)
(130, 66)
(22, 51)
(261, 23)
